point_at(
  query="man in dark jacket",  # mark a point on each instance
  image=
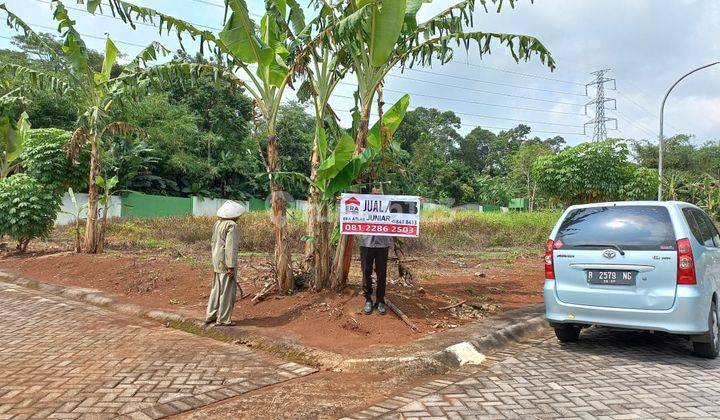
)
(374, 252)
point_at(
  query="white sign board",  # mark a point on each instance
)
(380, 215)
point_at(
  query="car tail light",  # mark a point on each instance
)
(685, 263)
(549, 266)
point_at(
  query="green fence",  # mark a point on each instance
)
(519, 204)
(257, 204)
(145, 205)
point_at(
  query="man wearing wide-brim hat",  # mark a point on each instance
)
(225, 241)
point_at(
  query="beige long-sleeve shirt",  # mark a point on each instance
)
(225, 242)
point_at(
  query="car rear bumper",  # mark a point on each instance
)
(688, 315)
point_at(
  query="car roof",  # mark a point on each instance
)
(633, 203)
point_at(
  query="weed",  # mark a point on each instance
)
(463, 233)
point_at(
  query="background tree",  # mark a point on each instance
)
(430, 124)
(94, 91)
(45, 158)
(521, 168)
(592, 172)
(268, 48)
(506, 143)
(296, 128)
(474, 148)
(692, 169)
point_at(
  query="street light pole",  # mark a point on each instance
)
(662, 110)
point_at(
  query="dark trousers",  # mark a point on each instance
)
(377, 257)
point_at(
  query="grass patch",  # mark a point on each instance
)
(468, 231)
(442, 231)
(193, 328)
(286, 353)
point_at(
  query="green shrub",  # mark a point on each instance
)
(45, 159)
(27, 209)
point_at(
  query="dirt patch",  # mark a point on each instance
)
(475, 286)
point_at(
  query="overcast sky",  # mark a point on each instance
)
(647, 44)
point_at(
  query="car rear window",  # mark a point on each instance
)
(628, 227)
(702, 227)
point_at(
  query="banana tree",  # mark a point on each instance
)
(378, 35)
(13, 131)
(322, 69)
(262, 54)
(95, 91)
(339, 170)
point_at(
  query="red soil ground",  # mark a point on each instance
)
(327, 320)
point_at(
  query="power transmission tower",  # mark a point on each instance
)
(599, 128)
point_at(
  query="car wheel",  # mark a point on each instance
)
(567, 333)
(711, 348)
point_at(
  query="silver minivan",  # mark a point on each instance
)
(643, 265)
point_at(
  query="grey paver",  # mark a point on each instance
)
(64, 359)
(609, 374)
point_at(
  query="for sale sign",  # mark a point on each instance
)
(381, 215)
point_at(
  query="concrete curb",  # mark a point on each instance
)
(470, 352)
(415, 362)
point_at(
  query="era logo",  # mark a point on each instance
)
(352, 205)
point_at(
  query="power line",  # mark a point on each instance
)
(637, 125)
(518, 73)
(135, 21)
(91, 36)
(494, 127)
(485, 116)
(387, 89)
(337, 95)
(144, 23)
(222, 6)
(496, 83)
(98, 14)
(400, 92)
(474, 102)
(391, 75)
(210, 3)
(487, 91)
(642, 108)
(637, 105)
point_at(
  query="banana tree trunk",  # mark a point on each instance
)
(90, 245)
(283, 256)
(321, 248)
(313, 204)
(343, 253)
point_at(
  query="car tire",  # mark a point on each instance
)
(711, 348)
(567, 333)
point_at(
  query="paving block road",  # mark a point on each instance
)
(61, 358)
(608, 374)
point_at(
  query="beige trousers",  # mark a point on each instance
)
(222, 299)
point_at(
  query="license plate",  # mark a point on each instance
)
(612, 277)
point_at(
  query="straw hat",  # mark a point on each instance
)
(230, 210)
